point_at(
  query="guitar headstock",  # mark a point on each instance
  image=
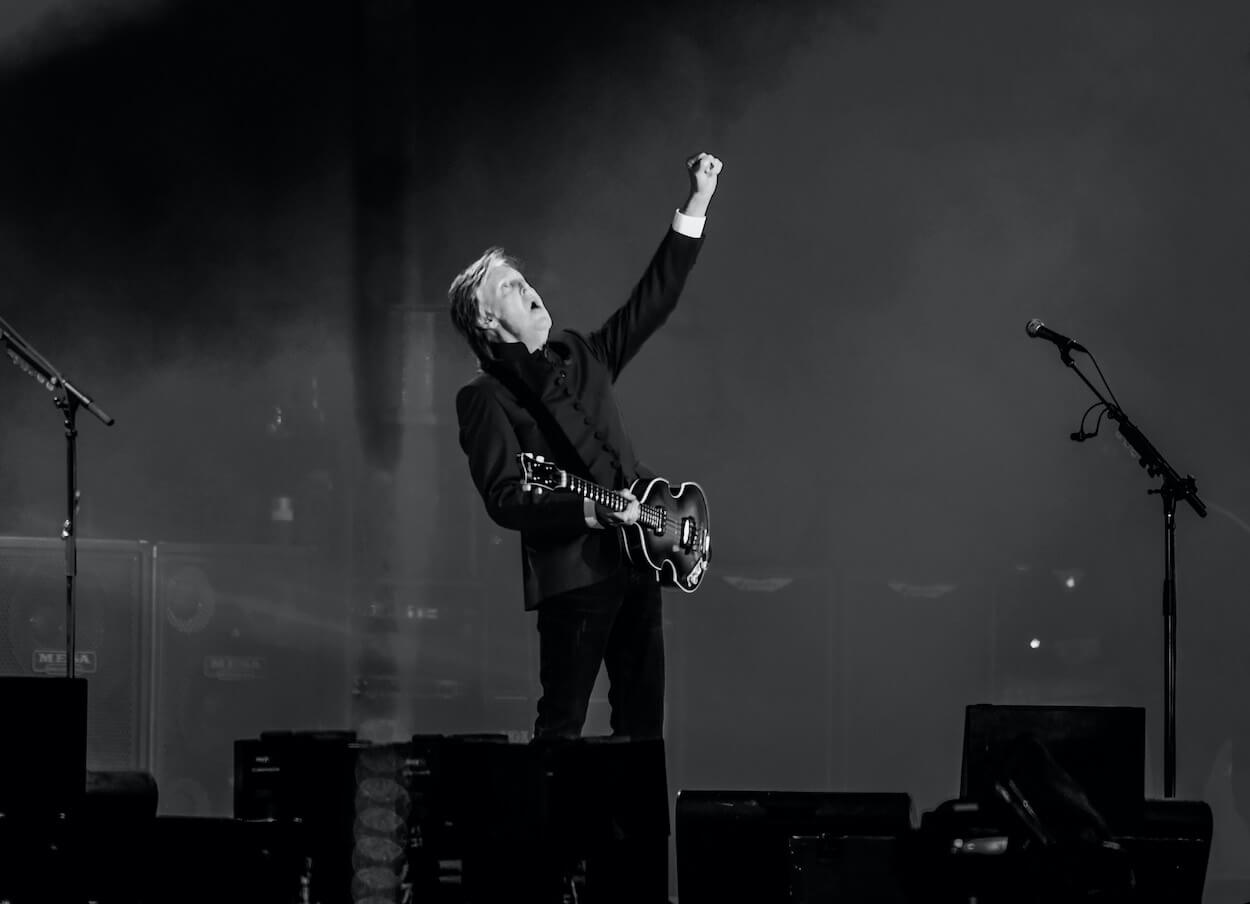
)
(539, 474)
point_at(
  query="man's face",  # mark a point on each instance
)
(514, 310)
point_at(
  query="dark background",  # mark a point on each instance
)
(234, 224)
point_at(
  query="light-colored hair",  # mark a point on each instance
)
(464, 304)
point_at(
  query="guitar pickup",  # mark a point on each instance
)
(687, 537)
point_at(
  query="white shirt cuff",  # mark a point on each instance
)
(688, 225)
(588, 512)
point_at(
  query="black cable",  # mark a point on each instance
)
(1110, 392)
(1080, 435)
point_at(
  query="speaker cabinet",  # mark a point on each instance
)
(756, 694)
(778, 845)
(249, 639)
(867, 870)
(208, 860)
(1169, 848)
(112, 641)
(43, 768)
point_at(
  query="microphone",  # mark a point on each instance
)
(1039, 330)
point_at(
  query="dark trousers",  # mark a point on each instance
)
(618, 623)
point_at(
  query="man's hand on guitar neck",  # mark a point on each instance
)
(629, 515)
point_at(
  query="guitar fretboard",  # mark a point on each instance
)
(649, 515)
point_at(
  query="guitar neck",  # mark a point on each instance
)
(650, 515)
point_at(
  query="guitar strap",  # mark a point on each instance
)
(559, 441)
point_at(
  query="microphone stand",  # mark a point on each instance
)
(67, 398)
(1173, 488)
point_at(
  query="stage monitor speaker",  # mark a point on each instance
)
(113, 634)
(756, 689)
(1101, 747)
(249, 639)
(755, 845)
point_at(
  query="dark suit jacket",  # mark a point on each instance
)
(573, 377)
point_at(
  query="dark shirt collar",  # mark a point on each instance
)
(515, 352)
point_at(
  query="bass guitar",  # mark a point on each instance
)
(671, 535)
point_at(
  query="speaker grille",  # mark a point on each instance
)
(113, 636)
(249, 639)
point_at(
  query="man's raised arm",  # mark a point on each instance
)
(656, 293)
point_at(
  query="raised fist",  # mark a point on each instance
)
(703, 169)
